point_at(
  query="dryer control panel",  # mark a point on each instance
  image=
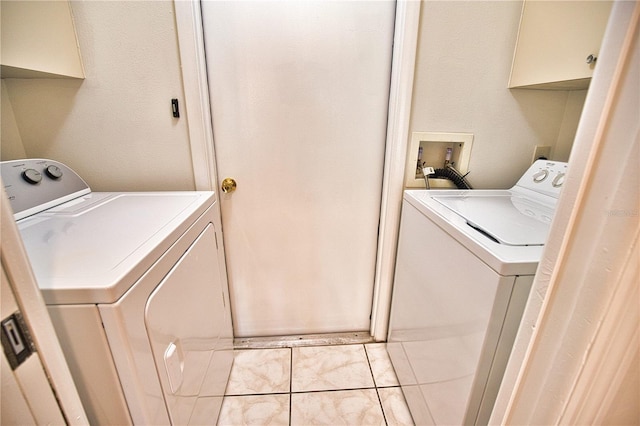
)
(545, 177)
(34, 185)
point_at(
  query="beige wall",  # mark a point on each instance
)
(11, 147)
(462, 71)
(114, 128)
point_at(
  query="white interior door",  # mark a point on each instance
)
(299, 95)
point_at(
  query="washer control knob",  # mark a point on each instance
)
(558, 180)
(54, 172)
(540, 176)
(32, 176)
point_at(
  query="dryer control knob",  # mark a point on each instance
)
(540, 176)
(32, 176)
(53, 172)
(558, 180)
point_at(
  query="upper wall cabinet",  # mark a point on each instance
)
(39, 40)
(558, 43)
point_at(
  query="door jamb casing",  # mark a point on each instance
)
(29, 300)
(197, 110)
(405, 45)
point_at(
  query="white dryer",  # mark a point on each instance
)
(465, 264)
(134, 285)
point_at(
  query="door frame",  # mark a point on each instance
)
(198, 114)
(40, 395)
(579, 336)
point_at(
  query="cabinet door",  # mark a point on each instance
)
(39, 40)
(554, 41)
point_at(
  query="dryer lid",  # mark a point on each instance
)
(92, 249)
(508, 219)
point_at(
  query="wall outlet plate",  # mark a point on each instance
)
(541, 152)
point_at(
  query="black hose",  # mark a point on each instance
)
(453, 175)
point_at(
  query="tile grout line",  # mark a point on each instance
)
(290, 391)
(310, 391)
(375, 384)
(290, 384)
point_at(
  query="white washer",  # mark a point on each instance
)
(465, 264)
(134, 288)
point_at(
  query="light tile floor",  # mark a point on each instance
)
(314, 385)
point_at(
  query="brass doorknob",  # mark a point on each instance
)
(229, 185)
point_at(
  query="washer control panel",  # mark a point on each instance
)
(34, 185)
(545, 177)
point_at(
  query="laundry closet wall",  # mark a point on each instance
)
(463, 63)
(115, 127)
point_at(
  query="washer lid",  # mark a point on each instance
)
(508, 219)
(92, 249)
